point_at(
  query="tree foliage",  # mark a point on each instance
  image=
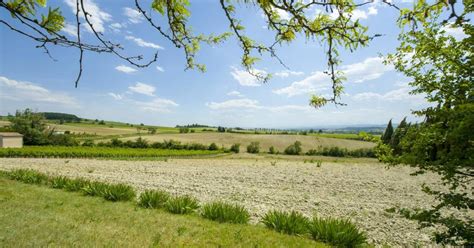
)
(441, 68)
(387, 135)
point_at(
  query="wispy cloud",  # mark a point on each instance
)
(245, 78)
(159, 68)
(115, 96)
(142, 43)
(369, 69)
(125, 69)
(133, 15)
(157, 105)
(97, 16)
(27, 91)
(142, 88)
(246, 104)
(287, 73)
(235, 93)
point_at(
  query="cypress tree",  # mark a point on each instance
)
(398, 135)
(387, 135)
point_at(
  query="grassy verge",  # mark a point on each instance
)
(39, 216)
(98, 152)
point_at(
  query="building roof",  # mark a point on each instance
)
(10, 134)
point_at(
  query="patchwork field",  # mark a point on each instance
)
(279, 141)
(359, 191)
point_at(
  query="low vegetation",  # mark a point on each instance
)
(294, 149)
(342, 152)
(225, 212)
(337, 232)
(182, 204)
(292, 223)
(253, 147)
(235, 148)
(153, 199)
(98, 152)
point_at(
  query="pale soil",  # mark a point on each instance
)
(98, 130)
(359, 191)
(279, 141)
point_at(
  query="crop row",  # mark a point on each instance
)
(97, 152)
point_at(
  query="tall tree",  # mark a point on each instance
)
(32, 125)
(441, 68)
(400, 131)
(387, 135)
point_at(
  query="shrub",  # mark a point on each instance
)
(254, 147)
(28, 176)
(213, 147)
(337, 232)
(272, 150)
(225, 212)
(58, 182)
(153, 199)
(118, 192)
(88, 142)
(181, 204)
(290, 223)
(235, 148)
(294, 149)
(76, 184)
(94, 188)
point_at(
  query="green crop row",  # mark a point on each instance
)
(97, 152)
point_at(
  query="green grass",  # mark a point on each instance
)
(28, 176)
(292, 223)
(38, 216)
(225, 212)
(153, 199)
(338, 232)
(182, 204)
(98, 152)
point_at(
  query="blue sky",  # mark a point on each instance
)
(165, 94)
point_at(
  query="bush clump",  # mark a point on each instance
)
(94, 188)
(235, 148)
(182, 204)
(58, 182)
(253, 147)
(153, 199)
(337, 232)
(293, 223)
(28, 176)
(118, 192)
(225, 212)
(272, 150)
(76, 184)
(294, 149)
(213, 147)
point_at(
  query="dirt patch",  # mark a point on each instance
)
(359, 191)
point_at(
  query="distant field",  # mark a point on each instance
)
(279, 141)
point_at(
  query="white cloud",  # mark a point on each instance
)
(115, 96)
(234, 104)
(157, 105)
(400, 94)
(287, 73)
(116, 26)
(246, 104)
(96, 16)
(125, 69)
(245, 78)
(369, 69)
(70, 29)
(142, 43)
(27, 91)
(456, 32)
(357, 14)
(134, 16)
(316, 82)
(142, 88)
(283, 14)
(159, 68)
(235, 93)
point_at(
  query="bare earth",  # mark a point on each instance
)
(359, 191)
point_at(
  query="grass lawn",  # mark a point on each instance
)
(39, 216)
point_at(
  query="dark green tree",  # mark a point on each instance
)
(32, 125)
(400, 132)
(387, 135)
